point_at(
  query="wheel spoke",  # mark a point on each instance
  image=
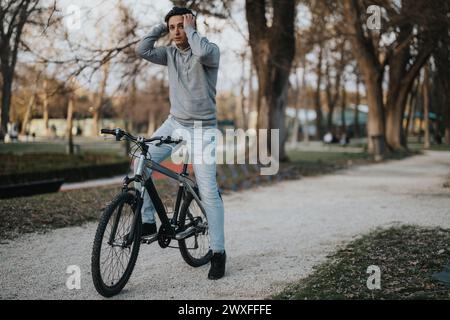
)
(196, 246)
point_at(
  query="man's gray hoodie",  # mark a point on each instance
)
(192, 74)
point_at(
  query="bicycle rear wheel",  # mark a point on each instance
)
(195, 250)
(112, 260)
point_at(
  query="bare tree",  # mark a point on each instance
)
(241, 114)
(100, 99)
(45, 112)
(415, 27)
(333, 88)
(70, 110)
(372, 72)
(426, 105)
(343, 128)
(14, 16)
(357, 127)
(441, 56)
(273, 48)
(317, 95)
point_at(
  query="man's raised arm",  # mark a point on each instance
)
(208, 52)
(146, 48)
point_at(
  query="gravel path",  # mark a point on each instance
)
(275, 235)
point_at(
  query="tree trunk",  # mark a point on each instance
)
(296, 124)
(401, 81)
(239, 114)
(276, 120)
(6, 101)
(128, 122)
(45, 109)
(333, 93)
(317, 98)
(447, 120)
(408, 117)
(443, 70)
(394, 119)
(426, 106)
(357, 129)
(409, 126)
(375, 121)
(330, 100)
(242, 103)
(28, 112)
(343, 107)
(14, 16)
(251, 124)
(151, 122)
(302, 97)
(100, 100)
(273, 51)
(445, 84)
(447, 126)
(372, 73)
(70, 107)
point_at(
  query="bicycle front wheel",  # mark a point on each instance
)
(113, 259)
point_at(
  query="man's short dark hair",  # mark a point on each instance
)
(177, 11)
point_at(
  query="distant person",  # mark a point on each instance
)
(344, 139)
(53, 130)
(14, 132)
(328, 138)
(79, 131)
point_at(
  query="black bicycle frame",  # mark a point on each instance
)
(184, 183)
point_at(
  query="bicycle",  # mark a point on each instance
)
(118, 236)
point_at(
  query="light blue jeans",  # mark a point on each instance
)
(205, 174)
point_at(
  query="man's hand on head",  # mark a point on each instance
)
(188, 20)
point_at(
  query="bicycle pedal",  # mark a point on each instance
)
(149, 239)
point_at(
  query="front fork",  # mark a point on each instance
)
(137, 206)
(139, 196)
(137, 212)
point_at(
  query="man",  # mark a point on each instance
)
(193, 64)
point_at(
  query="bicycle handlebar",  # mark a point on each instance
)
(119, 133)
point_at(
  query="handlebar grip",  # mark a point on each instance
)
(108, 131)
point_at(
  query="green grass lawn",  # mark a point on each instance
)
(433, 147)
(407, 256)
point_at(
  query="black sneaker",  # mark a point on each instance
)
(147, 229)
(217, 269)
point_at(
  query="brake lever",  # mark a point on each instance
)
(168, 139)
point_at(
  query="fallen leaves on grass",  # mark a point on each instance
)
(407, 257)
